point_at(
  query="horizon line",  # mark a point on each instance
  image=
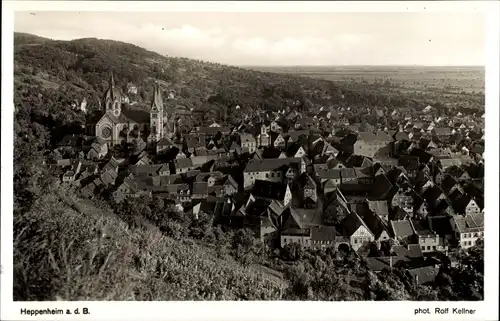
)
(359, 65)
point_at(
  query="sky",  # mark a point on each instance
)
(280, 39)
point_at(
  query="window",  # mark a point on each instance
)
(428, 248)
(267, 175)
(284, 240)
(272, 174)
(355, 241)
(423, 248)
(433, 247)
(475, 235)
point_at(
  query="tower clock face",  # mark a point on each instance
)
(106, 132)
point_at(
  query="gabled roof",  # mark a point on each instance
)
(230, 181)
(432, 193)
(351, 223)
(291, 219)
(372, 221)
(402, 229)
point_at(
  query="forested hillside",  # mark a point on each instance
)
(104, 254)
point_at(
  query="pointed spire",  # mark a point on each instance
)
(157, 99)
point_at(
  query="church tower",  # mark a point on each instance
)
(156, 115)
(112, 98)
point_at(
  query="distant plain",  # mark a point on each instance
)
(451, 79)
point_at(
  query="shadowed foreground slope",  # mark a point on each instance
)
(65, 255)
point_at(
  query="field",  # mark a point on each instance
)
(451, 79)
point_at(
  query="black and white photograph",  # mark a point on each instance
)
(249, 156)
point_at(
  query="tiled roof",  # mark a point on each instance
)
(402, 228)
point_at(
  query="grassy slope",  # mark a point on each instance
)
(66, 255)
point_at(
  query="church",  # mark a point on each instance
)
(123, 124)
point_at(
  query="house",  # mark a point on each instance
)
(373, 222)
(264, 139)
(293, 150)
(146, 170)
(193, 142)
(307, 187)
(335, 207)
(411, 165)
(468, 229)
(272, 191)
(200, 190)
(449, 162)
(403, 199)
(277, 140)
(164, 145)
(111, 165)
(441, 132)
(323, 237)
(126, 189)
(293, 230)
(442, 225)
(248, 142)
(428, 240)
(273, 169)
(356, 231)
(98, 150)
(368, 144)
(465, 205)
(380, 208)
(403, 230)
(143, 159)
(230, 186)
(424, 275)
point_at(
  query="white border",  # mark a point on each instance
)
(487, 310)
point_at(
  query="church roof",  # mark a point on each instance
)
(113, 92)
(130, 115)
